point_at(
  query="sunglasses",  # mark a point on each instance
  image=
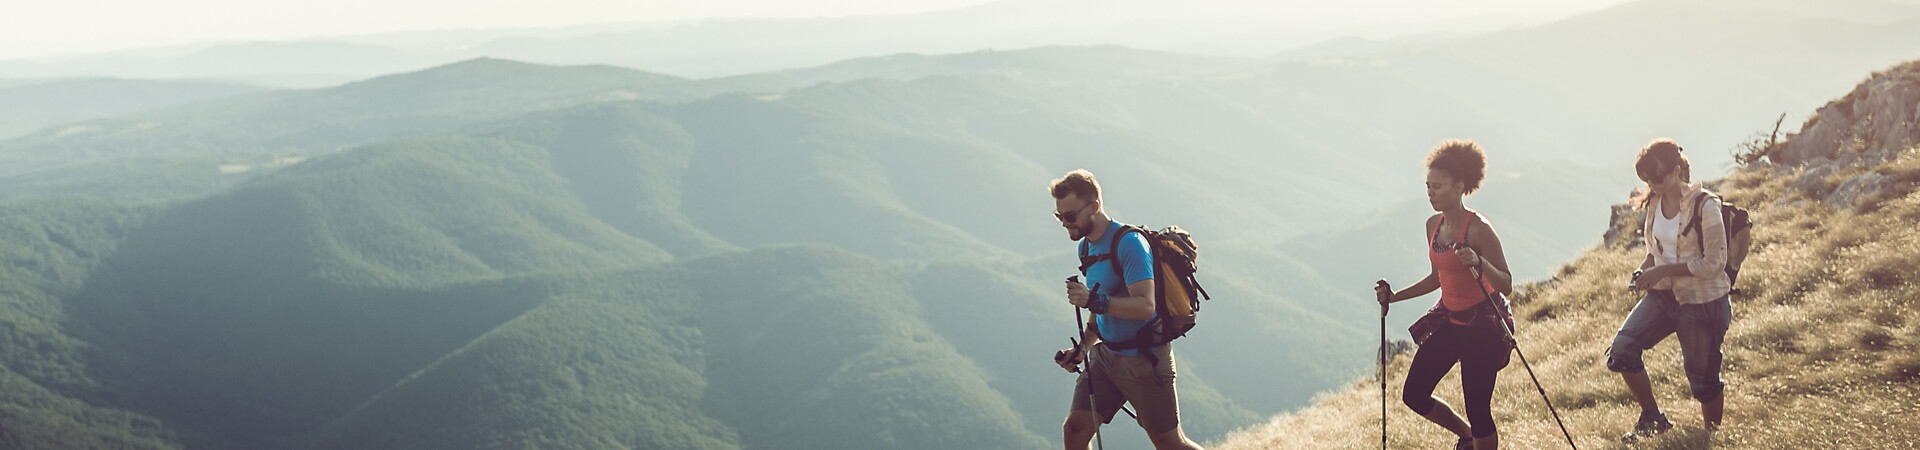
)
(1657, 174)
(1071, 216)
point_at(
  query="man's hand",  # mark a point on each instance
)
(1077, 294)
(1068, 358)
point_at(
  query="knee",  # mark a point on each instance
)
(1624, 356)
(1079, 426)
(1421, 404)
(1481, 424)
(1170, 439)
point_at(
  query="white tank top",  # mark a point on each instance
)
(1667, 233)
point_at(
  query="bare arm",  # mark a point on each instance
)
(1137, 305)
(1492, 258)
(1425, 286)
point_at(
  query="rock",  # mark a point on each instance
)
(1819, 138)
(1878, 119)
(1813, 182)
(1850, 192)
(1622, 218)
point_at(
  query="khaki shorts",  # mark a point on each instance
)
(1145, 382)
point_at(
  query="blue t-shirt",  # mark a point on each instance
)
(1136, 262)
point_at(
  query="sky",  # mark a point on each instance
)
(30, 28)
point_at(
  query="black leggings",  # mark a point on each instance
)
(1481, 352)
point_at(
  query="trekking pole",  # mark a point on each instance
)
(1381, 361)
(1505, 315)
(1086, 369)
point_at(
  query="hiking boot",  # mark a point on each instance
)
(1650, 423)
(1463, 444)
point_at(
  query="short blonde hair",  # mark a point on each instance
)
(1078, 182)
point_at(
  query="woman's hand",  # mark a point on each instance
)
(1383, 293)
(1467, 256)
(1653, 277)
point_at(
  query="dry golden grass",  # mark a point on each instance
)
(1824, 350)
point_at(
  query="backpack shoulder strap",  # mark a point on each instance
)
(1113, 249)
(1085, 261)
(1699, 205)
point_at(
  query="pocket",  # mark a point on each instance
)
(1163, 366)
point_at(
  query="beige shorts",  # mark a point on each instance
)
(1145, 382)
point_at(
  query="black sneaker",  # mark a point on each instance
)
(1650, 424)
(1463, 444)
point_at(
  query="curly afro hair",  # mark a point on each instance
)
(1462, 159)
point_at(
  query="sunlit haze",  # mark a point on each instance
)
(38, 29)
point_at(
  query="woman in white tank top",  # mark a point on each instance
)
(1686, 290)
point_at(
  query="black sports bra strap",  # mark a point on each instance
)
(1464, 235)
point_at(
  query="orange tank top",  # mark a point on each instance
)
(1457, 290)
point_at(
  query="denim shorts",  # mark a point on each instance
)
(1702, 330)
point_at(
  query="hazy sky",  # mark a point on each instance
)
(52, 27)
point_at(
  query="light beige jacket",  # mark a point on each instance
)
(1706, 278)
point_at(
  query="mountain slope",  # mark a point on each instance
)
(1821, 349)
(687, 356)
(244, 318)
(258, 129)
(33, 106)
(47, 250)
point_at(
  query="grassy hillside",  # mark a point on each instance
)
(1820, 353)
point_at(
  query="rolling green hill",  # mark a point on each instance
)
(327, 303)
(208, 146)
(690, 356)
(33, 105)
(47, 250)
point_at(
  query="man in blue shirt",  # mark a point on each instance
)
(1121, 303)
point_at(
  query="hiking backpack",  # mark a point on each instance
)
(1178, 295)
(1739, 226)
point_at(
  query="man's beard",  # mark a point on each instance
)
(1087, 231)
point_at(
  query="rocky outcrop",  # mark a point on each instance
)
(1623, 218)
(1864, 128)
(1833, 155)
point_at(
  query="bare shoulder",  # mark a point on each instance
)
(1482, 228)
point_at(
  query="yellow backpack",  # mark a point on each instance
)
(1179, 294)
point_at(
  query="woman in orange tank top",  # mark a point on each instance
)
(1470, 271)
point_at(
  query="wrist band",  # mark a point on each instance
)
(1098, 304)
